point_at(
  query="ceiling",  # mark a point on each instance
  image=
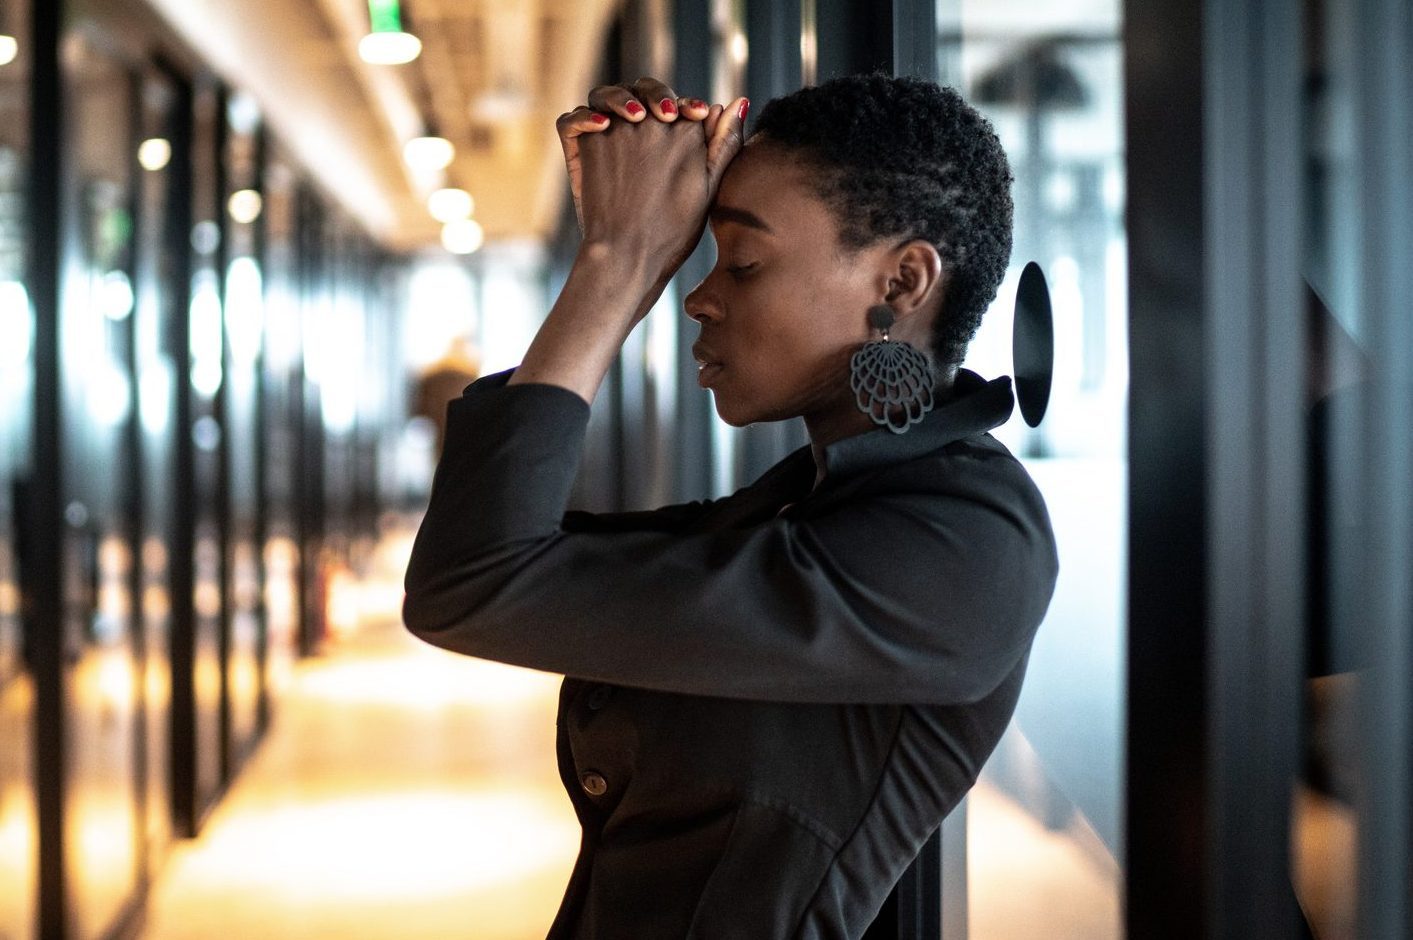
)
(492, 77)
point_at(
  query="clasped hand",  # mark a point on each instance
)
(644, 165)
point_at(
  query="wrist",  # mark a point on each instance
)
(630, 269)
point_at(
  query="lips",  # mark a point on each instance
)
(709, 366)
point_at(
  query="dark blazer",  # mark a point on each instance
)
(773, 698)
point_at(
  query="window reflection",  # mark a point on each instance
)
(1043, 825)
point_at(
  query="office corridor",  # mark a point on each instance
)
(402, 792)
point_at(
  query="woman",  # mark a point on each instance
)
(773, 698)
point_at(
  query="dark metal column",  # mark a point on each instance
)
(1255, 461)
(1167, 587)
(43, 573)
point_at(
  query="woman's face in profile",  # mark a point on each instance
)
(786, 305)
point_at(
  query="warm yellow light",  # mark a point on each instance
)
(154, 154)
(245, 206)
(451, 205)
(389, 48)
(428, 154)
(463, 237)
(9, 48)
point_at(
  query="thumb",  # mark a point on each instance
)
(726, 140)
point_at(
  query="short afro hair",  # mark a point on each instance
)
(904, 158)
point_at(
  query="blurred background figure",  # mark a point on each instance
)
(443, 380)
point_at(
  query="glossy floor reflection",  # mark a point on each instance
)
(403, 792)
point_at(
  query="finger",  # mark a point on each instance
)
(713, 116)
(580, 121)
(693, 109)
(660, 97)
(726, 139)
(616, 99)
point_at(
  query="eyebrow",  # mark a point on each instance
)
(720, 213)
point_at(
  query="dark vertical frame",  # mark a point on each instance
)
(1167, 581)
(44, 568)
(1216, 474)
(185, 809)
(263, 417)
(1255, 447)
(1383, 92)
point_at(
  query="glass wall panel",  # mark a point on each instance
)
(103, 795)
(281, 426)
(18, 849)
(1044, 821)
(155, 310)
(1350, 851)
(243, 199)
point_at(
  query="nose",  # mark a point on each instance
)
(700, 304)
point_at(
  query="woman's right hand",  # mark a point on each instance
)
(649, 185)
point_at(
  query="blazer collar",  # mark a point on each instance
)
(973, 407)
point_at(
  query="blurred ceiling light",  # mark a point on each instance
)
(9, 48)
(462, 237)
(245, 205)
(428, 153)
(154, 154)
(451, 205)
(387, 43)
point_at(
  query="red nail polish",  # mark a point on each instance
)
(634, 108)
(668, 107)
(599, 118)
(741, 111)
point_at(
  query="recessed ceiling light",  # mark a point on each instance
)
(463, 237)
(389, 48)
(9, 48)
(428, 153)
(450, 205)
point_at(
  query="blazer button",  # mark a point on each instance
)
(593, 783)
(599, 697)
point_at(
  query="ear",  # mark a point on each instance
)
(915, 282)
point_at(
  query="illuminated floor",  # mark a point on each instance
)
(402, 793)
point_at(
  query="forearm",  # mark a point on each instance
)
(606, 294)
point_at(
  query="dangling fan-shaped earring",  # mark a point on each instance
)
(892, 381)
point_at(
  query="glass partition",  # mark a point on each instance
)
(243, 207)
(18, 838)
(1044, 823)
(156, 368)
(102, 798)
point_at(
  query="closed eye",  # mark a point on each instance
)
(740, 270)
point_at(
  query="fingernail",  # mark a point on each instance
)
(668, 107)
(745, 106)
(698, 103)
(634, 108)
(600, 118)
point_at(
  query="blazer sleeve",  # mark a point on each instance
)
(910, 597)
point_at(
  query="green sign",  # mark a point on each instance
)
(385, 16)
